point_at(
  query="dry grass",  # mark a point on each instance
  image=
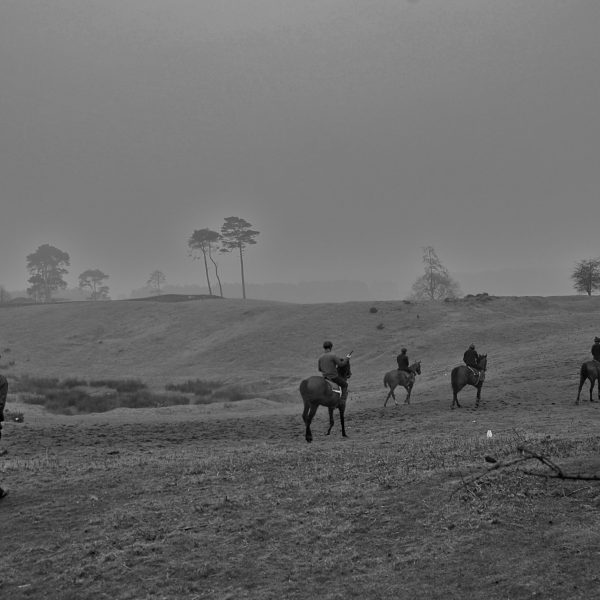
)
(228, 500)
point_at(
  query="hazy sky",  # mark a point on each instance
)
(350, 133)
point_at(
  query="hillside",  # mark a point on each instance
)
(531, 341)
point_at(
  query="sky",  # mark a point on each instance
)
(350, 133)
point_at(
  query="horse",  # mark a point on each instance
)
(3, 395)
(317, 391)
(589, 370)
(463, 375)
(406, 379)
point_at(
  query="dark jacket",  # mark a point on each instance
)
(402, 360)
(596, 351)
(471, 358)
(328, 364)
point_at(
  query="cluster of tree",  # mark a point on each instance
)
(586, 276)
(236, 234)
(47, 268)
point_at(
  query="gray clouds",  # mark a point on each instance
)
(348, 133)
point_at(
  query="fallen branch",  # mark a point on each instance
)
(557, 472)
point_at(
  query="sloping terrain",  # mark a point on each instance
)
(529, 341)
(229, 501)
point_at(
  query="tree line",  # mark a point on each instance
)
(47, 266)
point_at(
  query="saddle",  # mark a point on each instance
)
(335, 387)
(474, 371)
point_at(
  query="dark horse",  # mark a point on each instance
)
(589, 370)
(463, 375)
(406, 379)
(317, 391)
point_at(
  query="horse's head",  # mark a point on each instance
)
(416, 367)
(344, 371)
(482, 361)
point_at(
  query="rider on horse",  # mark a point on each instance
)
(471, 358)
(596, 349)
(402, 360)
(328, 365)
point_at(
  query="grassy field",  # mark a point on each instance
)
(227, 500)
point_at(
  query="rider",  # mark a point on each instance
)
(596, 349)
(3, 394)
(402, 360)
(328, 365)
(471, 358)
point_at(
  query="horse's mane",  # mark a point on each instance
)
(344, 370)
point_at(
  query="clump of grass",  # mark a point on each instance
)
(72, 395)
(373, 310)
(380, 326)
(147, 399)
(35, 385)
(120, 385)
(198, 387)
(73, 382)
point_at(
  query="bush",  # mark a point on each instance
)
(72, 382)
(373, 310)
(199, 387)
(146, 399)
(35, 384)
(120, 385)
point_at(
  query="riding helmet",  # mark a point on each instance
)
(327, 345)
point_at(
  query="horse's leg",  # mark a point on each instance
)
(390, 393)
(311, 413)
(479, 386)
(592, 382)
(342, 410)
(582, 379)
(455, 390)
(408, 391)
(330, 420)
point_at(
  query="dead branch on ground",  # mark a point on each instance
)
(528, 455)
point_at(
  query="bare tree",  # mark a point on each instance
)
(586, 276)
(436, 283)
(155, 281)
(236, 235)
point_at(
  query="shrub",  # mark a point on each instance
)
(380, 326)
(35, 384)
(373, 310)
(199, 387)
(120, 385)
(146, 399)
(72, 382)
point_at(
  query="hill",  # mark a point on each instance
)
(531, 341)
(229, 501)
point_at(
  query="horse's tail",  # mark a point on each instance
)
(303, 388)
(386, 383)
(454, 378)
